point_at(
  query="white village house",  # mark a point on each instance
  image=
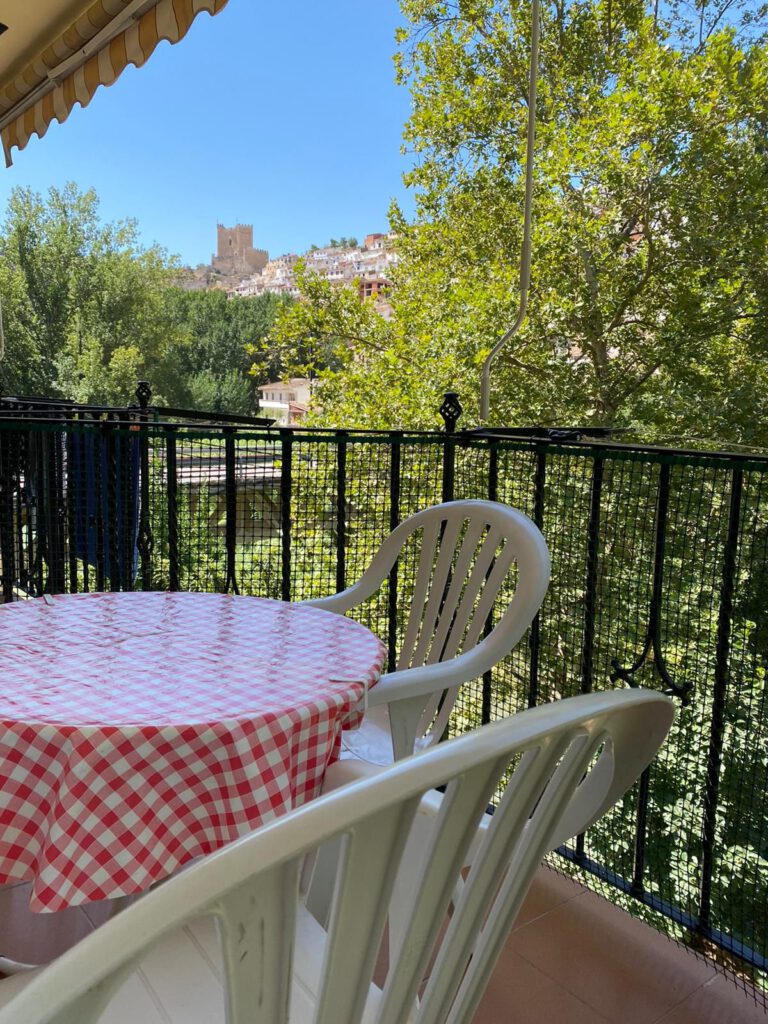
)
(286, 402)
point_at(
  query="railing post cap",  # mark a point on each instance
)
(450, 409)
(143, 393)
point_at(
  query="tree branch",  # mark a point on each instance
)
(636, 289)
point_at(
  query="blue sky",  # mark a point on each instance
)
(283, 115)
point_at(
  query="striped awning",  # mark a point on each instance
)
(72, 58)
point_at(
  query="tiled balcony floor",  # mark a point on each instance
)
(571, 959)
(575, 959)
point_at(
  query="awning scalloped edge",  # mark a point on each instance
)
(168, 19)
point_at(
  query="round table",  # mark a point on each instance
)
(141, 730)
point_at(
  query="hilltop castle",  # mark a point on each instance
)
(236, 256)
(239, 269)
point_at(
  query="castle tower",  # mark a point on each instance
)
(235, 252)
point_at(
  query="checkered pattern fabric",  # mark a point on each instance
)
(138, 731)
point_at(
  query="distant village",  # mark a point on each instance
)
(241, 270)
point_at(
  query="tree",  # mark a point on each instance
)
(334, 334)
(228, 392)
(220, 332)
(649, 305)
(21, 364)
(339, 243)
(84, 302)
(88, 312)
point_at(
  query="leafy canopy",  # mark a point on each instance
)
(87, 312)
(649, 305)
(83, 303)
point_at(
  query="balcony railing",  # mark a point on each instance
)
(660, 579)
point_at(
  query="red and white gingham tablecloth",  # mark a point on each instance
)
(138, 731)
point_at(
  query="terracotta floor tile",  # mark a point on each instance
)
(572, 959)
(550, 889)
(519, 993)
(619, 966)
(717, 1002)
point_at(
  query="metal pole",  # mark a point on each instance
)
(525, 255)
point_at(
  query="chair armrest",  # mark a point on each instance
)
(405, 691)
(339, 603)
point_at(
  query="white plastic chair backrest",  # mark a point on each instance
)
(466, 551)
(251, 887)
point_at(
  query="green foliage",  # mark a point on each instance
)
(83, 302)
(21, 368)
(341, 243)
(87, 312)
(306, 336)
(227, 392)
(202, 564)
(649, 299)
(374, 372)
(219, 334)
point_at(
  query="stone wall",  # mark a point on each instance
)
(235, 252)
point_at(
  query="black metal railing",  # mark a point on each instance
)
(660, 578)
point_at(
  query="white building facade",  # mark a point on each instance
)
(286, 402)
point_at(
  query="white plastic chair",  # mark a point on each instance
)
(280, 965)
(467, 549)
